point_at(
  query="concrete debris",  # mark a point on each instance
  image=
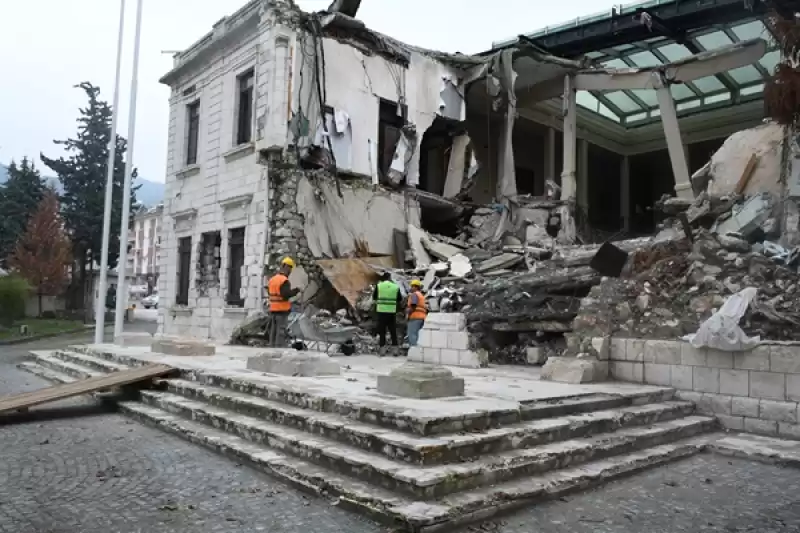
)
(502, 261)
(729, 164)
(460, 266)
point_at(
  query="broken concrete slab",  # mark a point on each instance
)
(421, 381)
(438, 249)
(536, 355)
(181, 346)
(574, 370)
(415, 241)
(460, 265)
(133, 338)
(499, 262)
(294, 363)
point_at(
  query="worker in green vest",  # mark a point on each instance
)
(387, 302)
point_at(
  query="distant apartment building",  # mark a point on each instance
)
(144, 244)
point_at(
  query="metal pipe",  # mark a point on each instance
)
(100, 300)
(122, 290)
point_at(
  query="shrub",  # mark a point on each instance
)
(14, 292)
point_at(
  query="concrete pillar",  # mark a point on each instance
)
(625, 193)
(455, 168)
(672, 132)
(570, 112)
(583, 175)
(550, 155)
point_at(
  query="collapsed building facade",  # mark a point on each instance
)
(310, 135)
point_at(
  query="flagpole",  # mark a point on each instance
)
(100, 300)
(122, 289)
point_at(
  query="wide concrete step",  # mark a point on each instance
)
(427, 482)
(89, 361)
(387, 414)
(45, 373)
(393, 418)
(437, 449)
(391, 508)
(48, 360)
(407, 513)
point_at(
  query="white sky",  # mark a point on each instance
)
(47, 46)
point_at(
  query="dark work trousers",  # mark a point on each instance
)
(387, 321)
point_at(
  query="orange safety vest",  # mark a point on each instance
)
(419, 311)
(277, 303)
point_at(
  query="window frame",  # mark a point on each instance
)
(192, 144)
(245, 104)
(184, 279)
(236, 238)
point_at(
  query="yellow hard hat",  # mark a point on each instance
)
(416, 283)
(288, 261)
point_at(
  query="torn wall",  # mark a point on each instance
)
(379, 97)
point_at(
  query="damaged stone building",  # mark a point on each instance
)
(313, 136)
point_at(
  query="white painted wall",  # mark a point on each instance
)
(355, 84)
(223, 172)
(197, 197)
(361, 214)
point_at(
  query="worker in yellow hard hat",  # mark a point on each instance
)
(280, 291)
(416, 312)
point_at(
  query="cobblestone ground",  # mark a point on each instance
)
(708, 493)
(75, 468)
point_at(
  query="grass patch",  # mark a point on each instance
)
(39, 326)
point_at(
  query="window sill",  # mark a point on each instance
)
(181, 310)
(236, 201)
(229, 310)
(239, 151)
(187, 171)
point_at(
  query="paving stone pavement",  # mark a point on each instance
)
(75, 468)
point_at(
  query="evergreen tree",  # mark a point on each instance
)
(20, 195)
(83, 178)
(43, 254)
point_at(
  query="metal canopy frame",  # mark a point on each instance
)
(632, 108)
(655, 32)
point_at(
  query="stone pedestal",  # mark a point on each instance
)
(422, 381)
(445, 341)
(575, 370)
(136, 338)
(294, 363)
(183, 347)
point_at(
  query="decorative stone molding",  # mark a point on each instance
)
(187, 171)
(239, 151)
(185, 214)
(243, 200)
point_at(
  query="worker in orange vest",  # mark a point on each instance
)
(416, 312)
(280, 290)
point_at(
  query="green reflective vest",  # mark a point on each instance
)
(387, 297)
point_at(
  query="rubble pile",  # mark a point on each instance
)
(528, 291)
(671, 294)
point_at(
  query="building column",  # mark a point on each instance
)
(550, 155)
(570, 113)
(583, 175)
(625, 193)
(672, 132)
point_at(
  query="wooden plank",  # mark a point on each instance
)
(747, 173)
(67, 390)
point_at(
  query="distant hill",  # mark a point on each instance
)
(151, 193)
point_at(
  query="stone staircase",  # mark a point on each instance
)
(419, 473)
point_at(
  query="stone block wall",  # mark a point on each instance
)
(756, 391)
(445, 341)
